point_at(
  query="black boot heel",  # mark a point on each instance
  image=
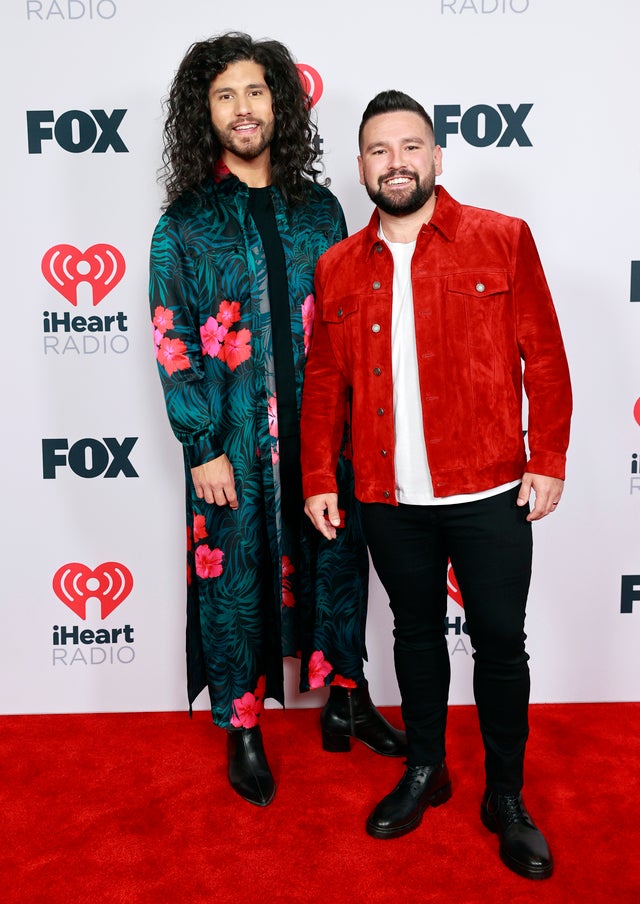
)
(349, 713)
(335, 743)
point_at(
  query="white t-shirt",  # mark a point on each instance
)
(413, 478)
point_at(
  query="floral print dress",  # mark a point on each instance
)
(254, 591)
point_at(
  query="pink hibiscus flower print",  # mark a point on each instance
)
(236, 348)
(340, 681)
(211, 335)
(319, 668)
(163, 319)
(199, 527)
(288, 599)
(247, 709)
(229, 313)
(308, 311)
(287, 566)
(157, 339)
(272, 414)
(171, 354)
(208, 562)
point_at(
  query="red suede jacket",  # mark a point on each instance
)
(482, 308)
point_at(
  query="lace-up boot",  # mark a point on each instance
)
(401, 811)
(522, 845)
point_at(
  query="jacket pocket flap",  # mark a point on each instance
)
(479, 284)
(336, 310)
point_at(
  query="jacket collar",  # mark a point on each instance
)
(445, 219)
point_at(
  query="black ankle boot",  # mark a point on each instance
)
(349, 713)
(401, 811)
(522, 845)
(249, 773)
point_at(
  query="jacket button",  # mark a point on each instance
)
(386, 494)
(377, 371)
(376, 284)
(380, 411)
(378, 248)
(384, 453)
(375, 328)
(339, 312)
(480, 287)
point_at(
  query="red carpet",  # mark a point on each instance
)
(136, 808)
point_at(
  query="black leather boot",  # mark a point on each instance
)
(349, 713)
(522, 845)
(249, 773)
(401, 811)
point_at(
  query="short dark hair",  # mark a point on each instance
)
(392, 102)
(190, 145)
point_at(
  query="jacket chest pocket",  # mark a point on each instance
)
(340, 310)
(476, 301)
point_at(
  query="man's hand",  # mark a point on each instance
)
(316, 506)
(213, 482)
(548, 491)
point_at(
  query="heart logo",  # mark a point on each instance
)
(74, 584)
(311, 83)
(64, 266)
(452, 587)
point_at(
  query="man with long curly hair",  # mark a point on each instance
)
(232, 265)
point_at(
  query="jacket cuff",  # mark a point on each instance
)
(549, 464)
(318, 484)
(204, 449)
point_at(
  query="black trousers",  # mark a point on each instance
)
(489, 543)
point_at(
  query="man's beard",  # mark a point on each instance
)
(402, 203)
(244, 148)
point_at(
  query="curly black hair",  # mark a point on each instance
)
(190, 144)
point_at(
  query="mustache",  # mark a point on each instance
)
(244, 120)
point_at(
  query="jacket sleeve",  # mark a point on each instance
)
(324, 399)
(341, 223)
(173, 296)
(546, 372)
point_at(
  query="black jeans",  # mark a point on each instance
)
(489, 543)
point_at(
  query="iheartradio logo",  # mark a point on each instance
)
(110, 583)
(452, 587)
(636, 412)
(65, 266)
(311, 83)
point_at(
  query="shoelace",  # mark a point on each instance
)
(512, 810)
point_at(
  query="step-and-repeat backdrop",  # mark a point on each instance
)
(535, 104)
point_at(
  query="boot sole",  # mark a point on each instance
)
(333, 743)
(441, 796)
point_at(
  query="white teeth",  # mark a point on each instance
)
(398, 181)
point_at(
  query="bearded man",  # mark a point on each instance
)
(232, 301)
(425, 319)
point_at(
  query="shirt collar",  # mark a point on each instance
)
(445, 219)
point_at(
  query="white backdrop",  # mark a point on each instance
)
(92, 615)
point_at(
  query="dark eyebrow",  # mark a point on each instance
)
(246, 88)
(382, 144)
